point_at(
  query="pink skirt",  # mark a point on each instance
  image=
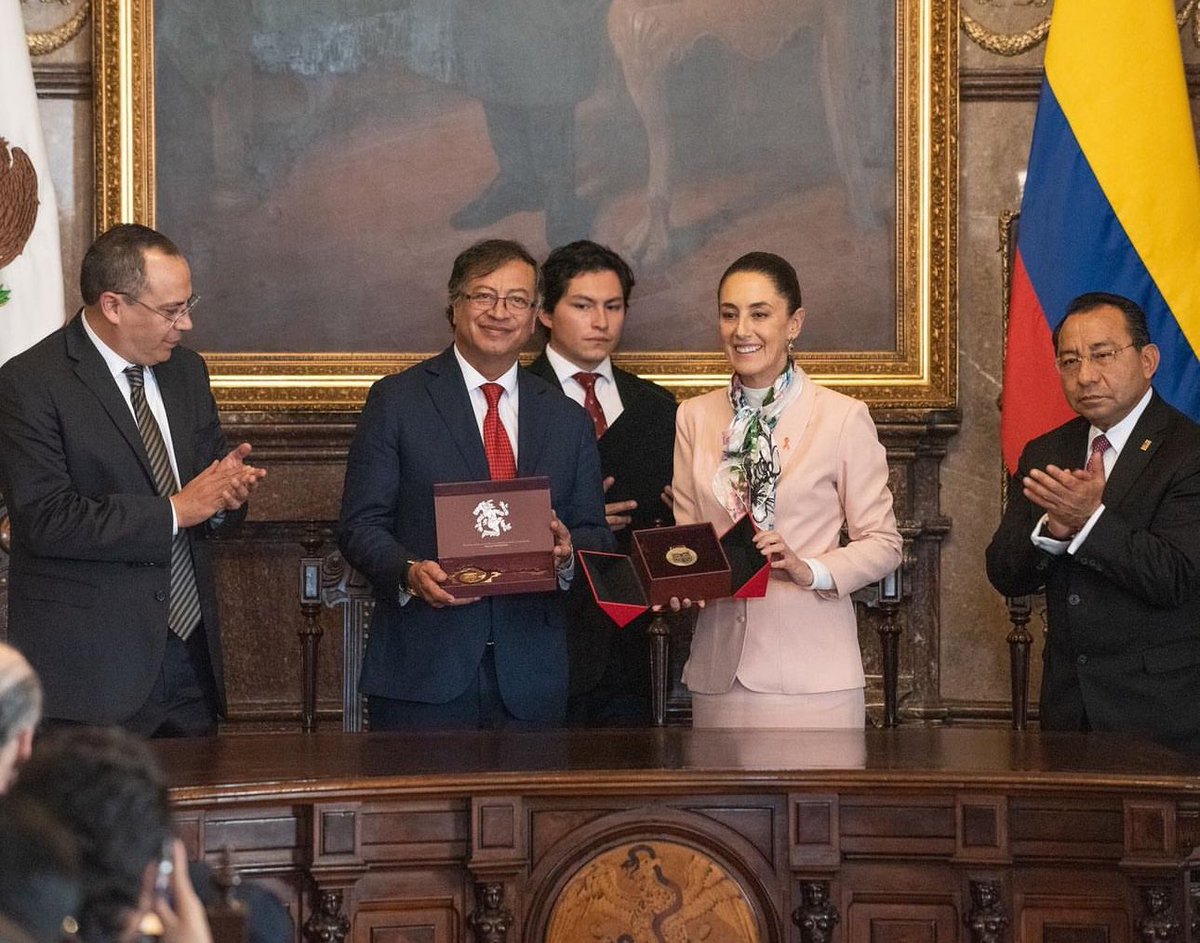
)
(741, 707)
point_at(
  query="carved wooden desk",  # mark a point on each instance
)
(671, 834)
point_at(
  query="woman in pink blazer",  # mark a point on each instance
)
(804, 461)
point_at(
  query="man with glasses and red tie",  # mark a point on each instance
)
(468, 414)
(1104, 515)
(114, 467)
(585, 299)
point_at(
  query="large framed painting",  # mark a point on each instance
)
(322, 163)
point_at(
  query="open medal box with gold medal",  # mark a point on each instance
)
(688, 561)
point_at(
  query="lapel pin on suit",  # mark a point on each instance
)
(1145, 445)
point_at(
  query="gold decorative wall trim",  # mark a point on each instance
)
(1005, 44)
(46, 41)
(1014, 44)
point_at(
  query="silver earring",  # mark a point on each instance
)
(791, 345)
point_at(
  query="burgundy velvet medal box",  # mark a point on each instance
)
(687, 561)
(494, 537)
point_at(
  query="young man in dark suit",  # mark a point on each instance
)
(468, 414)
(114, 468)
(585, 298)
(1104, 514)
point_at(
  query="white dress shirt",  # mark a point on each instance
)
(607, 393)
(116, 366)
(509, 399)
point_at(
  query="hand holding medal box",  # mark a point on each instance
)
(688, 561)
(494, 537)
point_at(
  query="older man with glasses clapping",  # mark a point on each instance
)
(1104, 516)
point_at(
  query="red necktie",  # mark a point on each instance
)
(496, 443)
(1095, 460)
(590, 403)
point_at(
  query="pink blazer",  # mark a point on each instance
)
(833, 471)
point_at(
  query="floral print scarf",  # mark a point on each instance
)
(746, 478)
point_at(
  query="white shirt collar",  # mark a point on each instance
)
(1119, 433)
(565, 370)
(474, 379)
(116, 363)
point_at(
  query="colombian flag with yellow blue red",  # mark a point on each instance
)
(1111, 203)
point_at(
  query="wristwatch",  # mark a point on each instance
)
(405, 590)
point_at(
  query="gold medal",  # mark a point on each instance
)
(470, 575)
(681, 556)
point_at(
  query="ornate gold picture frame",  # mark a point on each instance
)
(920, 372)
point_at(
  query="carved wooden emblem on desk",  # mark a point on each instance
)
(653, 892)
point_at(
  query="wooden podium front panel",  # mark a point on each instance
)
(916, 919)
(911, 834)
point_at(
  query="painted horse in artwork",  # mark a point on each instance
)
(649, 36)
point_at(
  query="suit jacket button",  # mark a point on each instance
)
(1081, 660)
(160, 595)
(1073, 599)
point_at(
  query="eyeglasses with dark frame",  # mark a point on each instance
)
(1070, 364)
(177, 315)
(486, 300)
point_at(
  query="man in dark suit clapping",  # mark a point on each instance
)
(585, 297)
(114, 468)
(1104, 514)
(468, 414)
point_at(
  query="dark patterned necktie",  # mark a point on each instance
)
(496, 444)
(1095, 461)
(183, 611)
(591, 403)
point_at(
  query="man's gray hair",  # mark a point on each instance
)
(20, 694)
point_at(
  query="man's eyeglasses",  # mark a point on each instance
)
(487, 300)
(1069, 364)
(174, 314)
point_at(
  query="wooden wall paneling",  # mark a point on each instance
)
(981, 829)
(913, 918)
(257, 579)
(1080, 918)
(413, 922)
(881, 825)
(1081, 829)
(399, 905)
(814, 831)
(268, 838)
(756, 819)
(1150, 833)
(415, 831)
